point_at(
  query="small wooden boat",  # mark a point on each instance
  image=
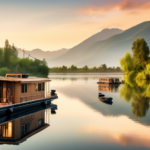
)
(106, 99)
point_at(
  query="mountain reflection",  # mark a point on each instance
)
(138, 92)
(18, 130)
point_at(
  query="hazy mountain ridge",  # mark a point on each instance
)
(74, 55)
(107, 51)
(40, 54)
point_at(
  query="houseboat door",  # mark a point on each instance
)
(4, 94)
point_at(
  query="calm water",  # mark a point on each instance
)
(83, 122)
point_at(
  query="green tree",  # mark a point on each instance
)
(64, 68)
(103, 67)
(7, 54)
(1, 57)
(85, 68)
(127, 63)
(94, 68)
(140, 51)
(73, 68)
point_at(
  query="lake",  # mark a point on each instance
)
(83, 122)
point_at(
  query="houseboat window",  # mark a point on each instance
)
(25, 76)
(39, 86)
(23, 88)
(19, 76)
(42, 86)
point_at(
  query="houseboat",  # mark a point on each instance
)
(20, 91)
(109, 80)
(18, 130)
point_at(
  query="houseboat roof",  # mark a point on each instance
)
(22, 80)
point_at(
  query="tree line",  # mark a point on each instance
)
(73, 68)
(10, 63)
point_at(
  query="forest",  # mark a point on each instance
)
(10, 63)
(85, 69)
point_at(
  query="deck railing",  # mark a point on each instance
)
(6, 100)
(10, 99)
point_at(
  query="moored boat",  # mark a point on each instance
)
(106, 99)
(19, 92)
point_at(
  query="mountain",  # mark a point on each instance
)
(107, 51)
(73, 55)
(38, 53)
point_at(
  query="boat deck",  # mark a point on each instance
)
(8, 102)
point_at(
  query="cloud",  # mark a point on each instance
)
(132, 13)
(124, 5)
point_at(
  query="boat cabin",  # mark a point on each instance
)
(19, 87)
(109, 80)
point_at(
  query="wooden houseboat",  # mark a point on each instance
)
(109, 80)
(17, 91)
(17, 88)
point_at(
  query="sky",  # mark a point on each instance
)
(56, 24)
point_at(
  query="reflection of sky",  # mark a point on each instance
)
(87, 92)
(83, 122)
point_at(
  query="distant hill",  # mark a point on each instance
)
(107, 51)
(40, 54)
(73, 55)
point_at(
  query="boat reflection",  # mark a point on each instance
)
(16, 131)
(106, 87)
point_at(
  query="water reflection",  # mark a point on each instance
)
(16, 131)
(138, 94)
(108, 87)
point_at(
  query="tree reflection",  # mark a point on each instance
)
(140, 95)
(140, 106)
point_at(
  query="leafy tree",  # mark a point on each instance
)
(85, 68)
(118, 68)
(73, 68)
(9, 62)
(94, 68)
(103, 67)
(1, 57)
(64, 68)
(7, 54)
(127, 62)
(140, 51)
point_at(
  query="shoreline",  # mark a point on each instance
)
(88, 73)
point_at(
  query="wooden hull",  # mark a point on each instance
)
(15, 109)
(106, 99)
